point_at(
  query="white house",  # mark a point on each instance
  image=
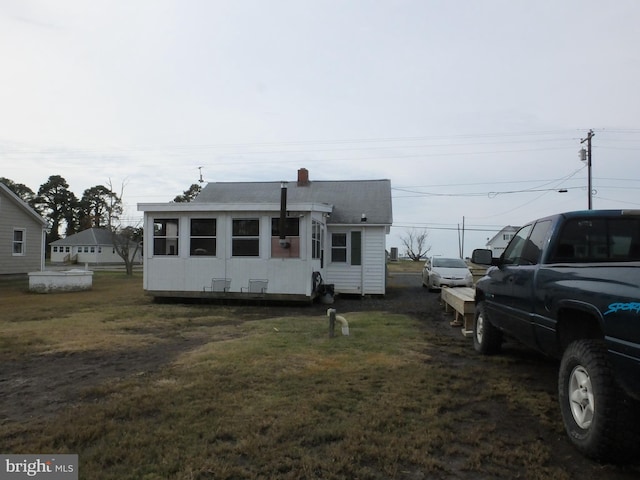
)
(269, 240)
(499, 242)
(22, 235)
(93, 246)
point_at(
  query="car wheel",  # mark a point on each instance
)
(598, 416)
(487, 339)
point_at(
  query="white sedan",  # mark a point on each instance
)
(446, 272)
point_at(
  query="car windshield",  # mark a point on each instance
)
(449, 263)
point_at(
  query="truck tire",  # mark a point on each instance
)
(598, 416)
(487, 339)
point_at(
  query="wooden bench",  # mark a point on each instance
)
(462, 301)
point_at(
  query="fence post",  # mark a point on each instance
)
(332, 321)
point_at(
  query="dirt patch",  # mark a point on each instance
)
(42, 385)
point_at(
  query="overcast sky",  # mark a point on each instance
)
(473, 109)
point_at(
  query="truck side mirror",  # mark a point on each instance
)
(482, 256)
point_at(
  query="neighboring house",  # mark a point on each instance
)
(229, 242)
(22, 235)
(94, 246)
(499, 242)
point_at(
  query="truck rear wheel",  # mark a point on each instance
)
(598, 416)
(487, 339)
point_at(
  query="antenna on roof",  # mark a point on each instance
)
(201, 179)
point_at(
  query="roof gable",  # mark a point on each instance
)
(505, 230)
(11, 196)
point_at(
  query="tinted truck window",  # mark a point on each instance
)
(599, 240)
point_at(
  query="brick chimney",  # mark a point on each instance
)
(303, 177)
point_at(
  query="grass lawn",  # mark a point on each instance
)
(240, 397)
(405, 266)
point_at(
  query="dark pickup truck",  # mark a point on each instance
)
(568, 286)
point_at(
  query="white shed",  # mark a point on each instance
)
(269, 240)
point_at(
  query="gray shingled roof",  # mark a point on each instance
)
(90, 236)
(350, 198)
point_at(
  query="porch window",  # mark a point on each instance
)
(292, 235)
(203, 237)
(339, 247)
(18, 241)
(165, 236)
(291, 227)
(245, 237)
(316, 239)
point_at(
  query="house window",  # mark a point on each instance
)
(55, 249)
(203, 236)
(99, 249)
(86, 249)
(339, 247)
(18, 241)
(316, 239)
(67, 249)
(165, 236)
(93, 249)
(347, 248)
(245, 239)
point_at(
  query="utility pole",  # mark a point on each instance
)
(586, 155)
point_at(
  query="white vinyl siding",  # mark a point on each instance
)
(367, 278)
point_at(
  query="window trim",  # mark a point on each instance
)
(340, 248)
(166, 237)
(213, 237)
(22, 242)
(245, 238)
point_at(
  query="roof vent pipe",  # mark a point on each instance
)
(283, 215)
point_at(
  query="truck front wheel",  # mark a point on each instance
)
(487, 339)
(595, 411)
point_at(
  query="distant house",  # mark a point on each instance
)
(499, 242)
(93, 246)
(270, 239)
(22, 235)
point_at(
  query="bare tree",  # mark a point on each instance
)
(415, 244)
(127, 241)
